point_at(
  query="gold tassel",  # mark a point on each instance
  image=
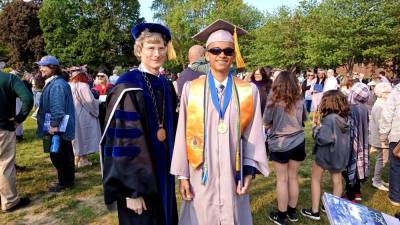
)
(237, 160)
(171, 51)
(239, 60)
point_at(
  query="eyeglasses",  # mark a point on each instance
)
(153, 49)
(101, 76)
(226, 51)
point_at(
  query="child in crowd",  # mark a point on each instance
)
(382, 91)
(332, 147)
(358, 167)
(285, 114)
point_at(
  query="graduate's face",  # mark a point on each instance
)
(221, 62)
(153, 55)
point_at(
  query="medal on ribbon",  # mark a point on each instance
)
(222, 126)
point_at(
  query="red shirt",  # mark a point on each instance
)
(101, 90)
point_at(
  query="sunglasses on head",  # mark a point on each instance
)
(226, 51)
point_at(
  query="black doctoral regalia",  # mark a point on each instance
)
(134, 162)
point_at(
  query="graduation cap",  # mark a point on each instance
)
(156, 28)
(221, 30)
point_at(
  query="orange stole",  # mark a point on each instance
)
(195, 116)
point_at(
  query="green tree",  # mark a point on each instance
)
(345, 32)
(20, 34)
(186, 18)
(278, 43)
(382, 32)
(95, 32)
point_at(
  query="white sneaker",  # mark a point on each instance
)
(380, 187)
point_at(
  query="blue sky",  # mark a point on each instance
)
(262, 5)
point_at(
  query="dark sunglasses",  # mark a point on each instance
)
(226, 51)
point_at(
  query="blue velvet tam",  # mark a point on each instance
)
(152, 27)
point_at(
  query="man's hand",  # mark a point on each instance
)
(53, 130)
(16, 124)
(184, 188)
(136, 204)
(384, 142)
(246, 187)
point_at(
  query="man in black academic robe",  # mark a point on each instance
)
(134, 162)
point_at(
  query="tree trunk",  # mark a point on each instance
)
(350, 65)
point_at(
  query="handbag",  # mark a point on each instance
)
(396, 150)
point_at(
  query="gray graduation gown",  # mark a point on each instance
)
(216, 202)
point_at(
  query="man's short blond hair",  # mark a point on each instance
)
(150, 37)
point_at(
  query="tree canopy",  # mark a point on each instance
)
(20, 35)
(186, 18)
(325, 33)
(93, 32)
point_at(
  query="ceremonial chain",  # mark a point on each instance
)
(161, 133)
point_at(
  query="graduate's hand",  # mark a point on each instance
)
(136, 204)
(246, 187)
(184, 188)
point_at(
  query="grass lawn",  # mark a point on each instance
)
(84, 203)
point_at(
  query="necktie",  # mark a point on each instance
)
(221, 88)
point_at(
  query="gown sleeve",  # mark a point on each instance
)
(254, 153)
(127, 165)
(179, 164)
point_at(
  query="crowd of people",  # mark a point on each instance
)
(209, 129)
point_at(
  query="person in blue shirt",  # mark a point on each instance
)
(56, 101)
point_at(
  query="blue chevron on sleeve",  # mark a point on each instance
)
(121, 151)
(124, 133)
(125, 115)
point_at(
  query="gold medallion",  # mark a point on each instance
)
(222, 128)
(161, 134)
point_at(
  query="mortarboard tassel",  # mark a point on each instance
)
(239, 60)
(171, 51)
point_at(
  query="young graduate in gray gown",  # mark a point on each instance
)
(219, 143)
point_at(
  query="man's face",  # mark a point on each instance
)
(153, 55)
(45, 71)
(221, 56)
